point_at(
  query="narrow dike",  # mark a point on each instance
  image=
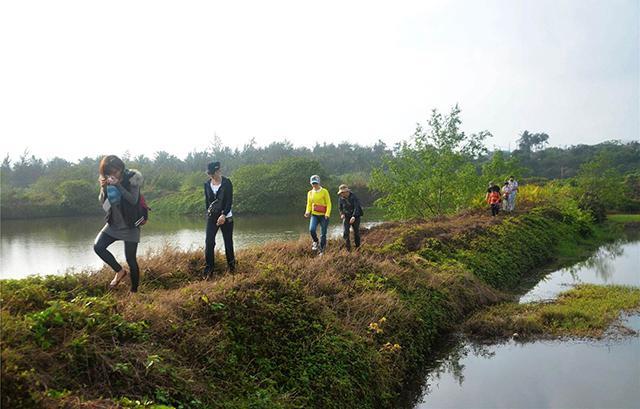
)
(286, 331)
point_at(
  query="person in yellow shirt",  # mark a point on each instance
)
(319, 210)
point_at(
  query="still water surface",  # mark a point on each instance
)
(546, 374)
(57, 245)
(616, 263)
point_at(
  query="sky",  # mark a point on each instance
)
(86, 78)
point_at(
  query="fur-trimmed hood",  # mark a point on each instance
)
(136, 178)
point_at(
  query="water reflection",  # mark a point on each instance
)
(567, 374)
(452, 363)
(601, 262)
(614, 263)
(536, 375)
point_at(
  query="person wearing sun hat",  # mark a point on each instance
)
(318, 209)
(350, 213)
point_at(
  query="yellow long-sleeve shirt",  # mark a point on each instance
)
(320, 197)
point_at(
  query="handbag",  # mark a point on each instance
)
(319, 208)
(214, 209)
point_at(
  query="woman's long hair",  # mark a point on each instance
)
(109, 164)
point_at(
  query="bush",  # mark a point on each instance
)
(79, 196)
(434, 174)
(280, 187)
(594, 205)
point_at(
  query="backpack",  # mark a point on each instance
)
(135, 215)
(142, 212)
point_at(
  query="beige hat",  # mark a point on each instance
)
(343, 188)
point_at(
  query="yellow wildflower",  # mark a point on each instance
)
(374, 327)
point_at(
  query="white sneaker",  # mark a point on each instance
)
(314, 246)
(320, 254)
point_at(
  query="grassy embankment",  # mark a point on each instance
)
(191, 202)
(285, 331)
(584, 311)
(625, 218)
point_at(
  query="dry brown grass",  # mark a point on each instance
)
(413, 233)
(172, 286)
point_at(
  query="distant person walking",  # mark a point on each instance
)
(492, 188)
(119, 195)
(350, 213)
(505, 195)
(513, 191)
(218, 199)
(493, 198)
(318, 209)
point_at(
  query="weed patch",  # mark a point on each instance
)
(584, 311)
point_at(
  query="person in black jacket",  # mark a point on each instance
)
(218, 197)
(350, 213)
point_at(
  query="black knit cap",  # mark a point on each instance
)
(212, 167)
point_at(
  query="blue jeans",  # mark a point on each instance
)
(313, 227)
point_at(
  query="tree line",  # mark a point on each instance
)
(32, 187)
(442, 170)
(438, 171)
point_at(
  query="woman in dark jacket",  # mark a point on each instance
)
(218, 198)
(119, 195)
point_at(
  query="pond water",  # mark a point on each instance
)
(616, 263)
(545, 374)
(58, 245)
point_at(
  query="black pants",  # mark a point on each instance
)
(130, 249)
(356, 232)
(495, 209)
(210, 243)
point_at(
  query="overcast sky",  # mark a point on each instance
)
(83, 78)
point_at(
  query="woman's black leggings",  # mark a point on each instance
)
(130, 249)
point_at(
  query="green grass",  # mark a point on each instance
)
(624, 218)
(584, 311)
(191, 202)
